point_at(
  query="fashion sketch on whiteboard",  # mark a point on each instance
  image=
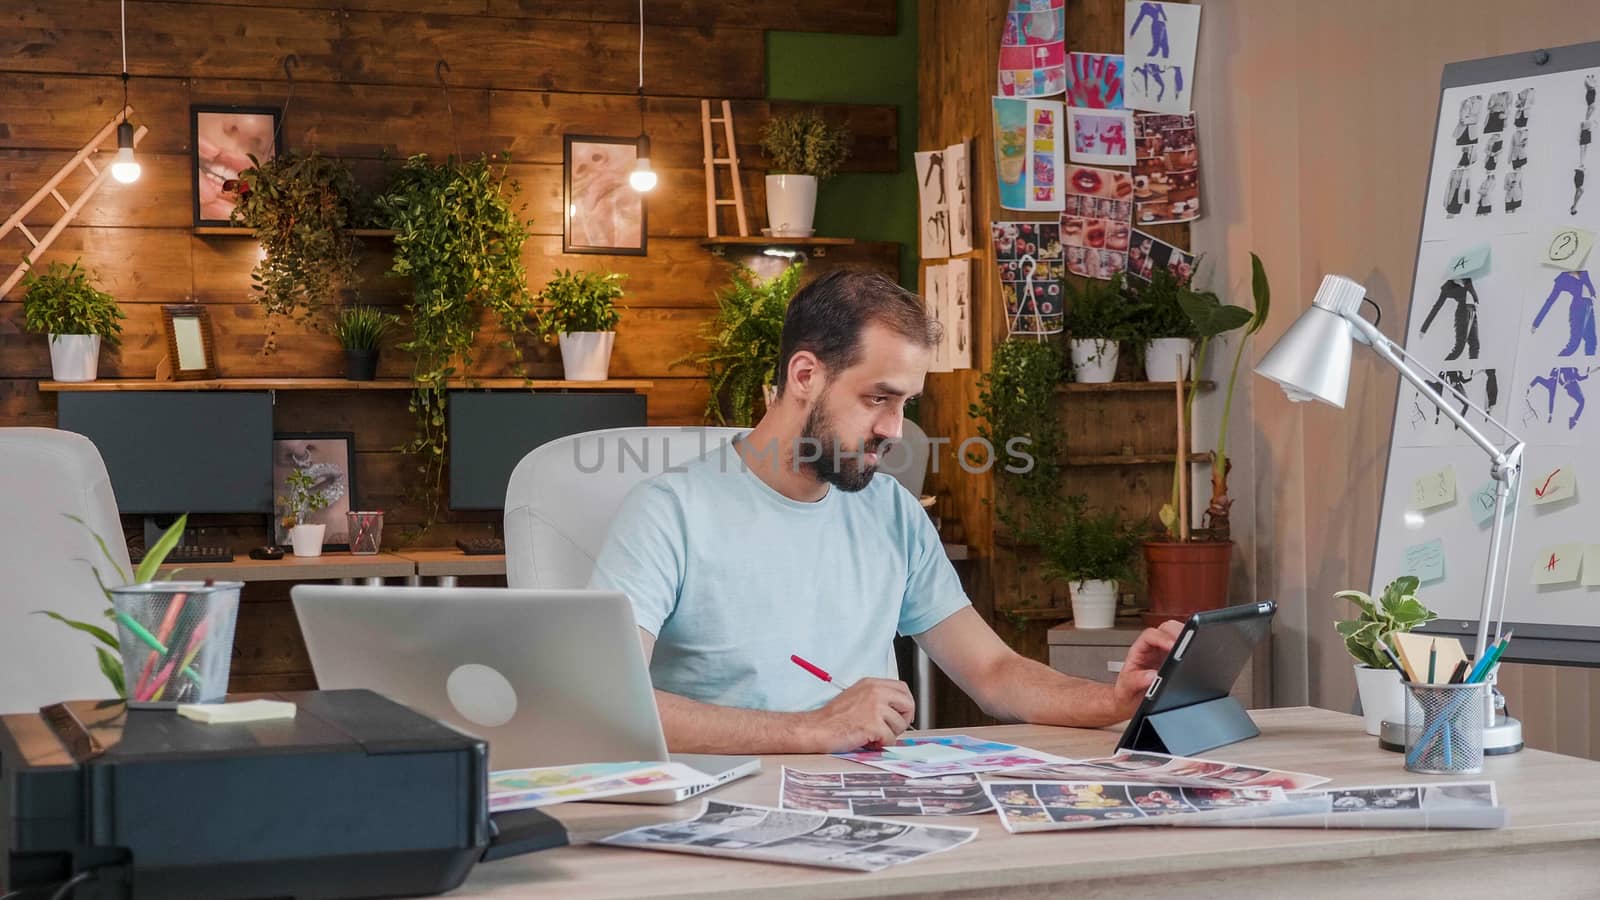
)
(1465, 296)
(1579, 290)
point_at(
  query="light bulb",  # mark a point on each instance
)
(642, 178)
(124, 167)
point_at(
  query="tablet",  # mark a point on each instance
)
(1188, 708)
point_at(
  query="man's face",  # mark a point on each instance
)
(861, 408)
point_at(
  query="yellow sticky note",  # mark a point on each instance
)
(1558, 564)
(1568, 247)
(1591, 565)
(1434, 489)
(1554, 484)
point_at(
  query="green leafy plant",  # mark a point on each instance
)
(110, 653)
(744, 340)
(301, 208)
(1099, 311)
(64, 300)
(1397, 611)
(1083, 545)
(303, 498)
(1157, 311)
(805, 144)
(580, 301)
(363, 327)
(1016, 404)
(459, 239)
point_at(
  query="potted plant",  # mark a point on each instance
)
(303, 500)
(1383, 697)
(63, 303)
(741, 357)
(301, 208)
(1097, 319)
(803, 149)
(1166, 333)
(581, 310)
(1093, 552)
(360, 329)
(1188, 570)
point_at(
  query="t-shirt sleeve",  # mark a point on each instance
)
(933, 590)
(643, 554)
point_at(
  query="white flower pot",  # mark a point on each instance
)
(74, 357)
(586, 355)
(1094, 360)
(1161, 358)
(791, 204)
(1094, 604)
(1383, 697)
(307, 539)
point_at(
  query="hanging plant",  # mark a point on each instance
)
(301, 209)
(743, 342)
(459, 239)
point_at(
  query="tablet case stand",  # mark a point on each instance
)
(1195, 728)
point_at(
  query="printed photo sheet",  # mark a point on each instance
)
(527, 788)
(1033, 49)
(1183, 771)
(1166, 169)
(883, 794)
(1148, 254)
(1159, 47)
(1074, 805)
(797, 838)
(1422, 806)
(1032, 268)
(975, 756)
(1096, 223)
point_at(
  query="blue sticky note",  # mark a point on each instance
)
(1425, 561)
(1468, 263)
(1482, 503)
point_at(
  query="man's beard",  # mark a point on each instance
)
(843, 467)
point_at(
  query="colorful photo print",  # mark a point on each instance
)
(1032, 267)
(1102, 137)
(1094, 80)
(1166, 170)
(1096, 227)
(1033, 49)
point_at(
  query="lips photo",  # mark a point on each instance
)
(1086, 181)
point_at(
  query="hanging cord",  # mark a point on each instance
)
(438, 72)
(123, 6)
(289, 62)
(641, 68)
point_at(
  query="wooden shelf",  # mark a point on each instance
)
(720, 245)
(1045, 614)
(337, 384)
(1141, 459)
(1126, 386)
(230, 231)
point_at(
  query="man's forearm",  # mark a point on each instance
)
(695, 727)
(1030, 691)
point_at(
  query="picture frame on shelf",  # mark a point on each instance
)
(222, 139)
(190, 350)
(601, 213)
(329, 457)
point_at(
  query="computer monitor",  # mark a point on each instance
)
(491, 432)
(171, 452)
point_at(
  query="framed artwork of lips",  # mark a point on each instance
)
(224, 138)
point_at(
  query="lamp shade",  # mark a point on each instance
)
(1312, 359)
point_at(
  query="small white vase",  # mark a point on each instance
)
(1161, 358)
(1094, 604)
(1383, 697)
(791, 204)
(586, 355)
(1094, 360)
(74, 357)
(307, 539)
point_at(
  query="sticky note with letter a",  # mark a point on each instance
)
(1558, 564)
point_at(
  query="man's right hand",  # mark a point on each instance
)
(873, 710)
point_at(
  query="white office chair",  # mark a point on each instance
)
(44, 564)
(907, 460)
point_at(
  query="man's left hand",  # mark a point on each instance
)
(1139, 667)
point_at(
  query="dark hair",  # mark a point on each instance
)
(828, 316)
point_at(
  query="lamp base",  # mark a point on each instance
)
(1502, 738)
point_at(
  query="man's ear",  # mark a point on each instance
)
(805, 375)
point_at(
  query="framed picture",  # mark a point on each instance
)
(330, 459)
(189, 348)
(224, 138)
(603, 214)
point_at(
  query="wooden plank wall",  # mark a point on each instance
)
(958, 55)
(521, 74)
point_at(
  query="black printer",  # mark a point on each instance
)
(357, 796)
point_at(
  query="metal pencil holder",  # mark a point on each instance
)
(366, 532)
(176, 639)
(1444, 727)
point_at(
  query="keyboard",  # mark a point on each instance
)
(481, 546)
(187, 553)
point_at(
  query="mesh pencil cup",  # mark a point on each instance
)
(1444, 728)
(176, 639)
(366, 531)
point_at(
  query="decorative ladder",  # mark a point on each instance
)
(713, 160)
(69, 210)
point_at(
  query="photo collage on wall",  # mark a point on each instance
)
(1032, 266)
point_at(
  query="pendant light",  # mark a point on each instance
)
(124, 167)
(642, 178)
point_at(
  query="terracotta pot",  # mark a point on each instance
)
(1185, 578)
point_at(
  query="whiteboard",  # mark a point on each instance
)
(1503, 307)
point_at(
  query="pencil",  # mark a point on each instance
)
(1433, 658)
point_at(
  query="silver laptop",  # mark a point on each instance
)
(548, 677)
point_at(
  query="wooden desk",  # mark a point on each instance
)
(343, 567)
(1550, 850)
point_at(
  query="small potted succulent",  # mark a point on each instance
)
(1397, 611)
(360, 330)
(580, 308)
(1167, 333)
(1098, 319)
(63, 303)
(303, 500)
(1093, 552)
(803, 150)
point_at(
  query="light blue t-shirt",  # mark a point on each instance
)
(732, 578)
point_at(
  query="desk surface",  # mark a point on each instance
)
(328, 566)
(1553, 803)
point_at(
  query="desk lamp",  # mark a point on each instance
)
(1312, 362)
